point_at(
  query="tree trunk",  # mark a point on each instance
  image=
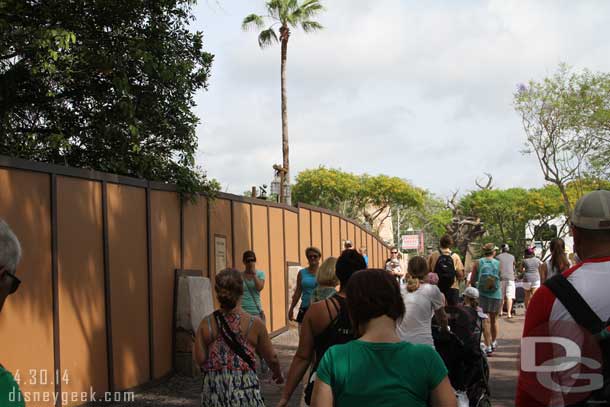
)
(285, 180)
(566, 200)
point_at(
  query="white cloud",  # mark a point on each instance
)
(420, 90)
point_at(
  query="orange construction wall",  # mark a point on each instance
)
(242, 232)
(351, 232)
(260, 231)
(165, 243)
(220, 224)
(343, 229)
(326, 236)
(80, 265)
(336, 238)
(291, 233)
(372, 252)
(128, 284)
(26, 321)
(304, 232)
(195, 231)
(142, 253)
(278, 269)
(316, 230)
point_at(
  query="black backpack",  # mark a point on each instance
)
(445, 270)
(584, 316)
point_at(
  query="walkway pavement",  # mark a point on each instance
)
(504, 363)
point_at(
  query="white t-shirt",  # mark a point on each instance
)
(507, 266)
(416, 325)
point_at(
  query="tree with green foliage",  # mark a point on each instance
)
(432, 217)
(365, 197)
(286, 14)
(103, 85)
(566, 118)
(507, 213)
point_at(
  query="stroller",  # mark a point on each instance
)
(460, 350)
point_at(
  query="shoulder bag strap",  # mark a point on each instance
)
(575, 304)
(229, 337)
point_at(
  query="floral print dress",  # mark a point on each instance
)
(227, 379)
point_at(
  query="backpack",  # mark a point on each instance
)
(584, 316)
(489, 281)
(445, 270)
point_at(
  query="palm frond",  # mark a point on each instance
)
(311, 26)
(305, 12)
(267, 38)
(275, 8)
(251, 21)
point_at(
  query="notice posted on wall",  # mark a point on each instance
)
(220, 252)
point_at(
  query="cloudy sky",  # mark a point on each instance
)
(416, 89)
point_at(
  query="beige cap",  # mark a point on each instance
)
(592, 211)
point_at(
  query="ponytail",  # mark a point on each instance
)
(418, 268)
(412, 284)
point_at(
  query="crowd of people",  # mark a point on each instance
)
(388, 337)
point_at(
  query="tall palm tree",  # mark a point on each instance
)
(285, 14)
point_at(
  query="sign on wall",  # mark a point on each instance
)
(410, 242)
(220, 252)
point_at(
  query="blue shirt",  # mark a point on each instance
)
(308, 283)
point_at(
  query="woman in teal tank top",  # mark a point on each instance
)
(306, 282)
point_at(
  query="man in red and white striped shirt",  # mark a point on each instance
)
(550, 331)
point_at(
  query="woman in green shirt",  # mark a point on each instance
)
(377, 368)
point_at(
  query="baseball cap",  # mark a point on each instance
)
(471, 292)
(592, 211)
(348, 243)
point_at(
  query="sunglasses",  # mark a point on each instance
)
(313, 256)
(15, 284)
(394, 252)
(250, 260)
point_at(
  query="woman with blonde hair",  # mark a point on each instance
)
(422, 302)
(327, 281)
(225, 345)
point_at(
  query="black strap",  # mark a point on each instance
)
(578, 308)
(229, 337)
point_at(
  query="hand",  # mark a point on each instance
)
(278, 379)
